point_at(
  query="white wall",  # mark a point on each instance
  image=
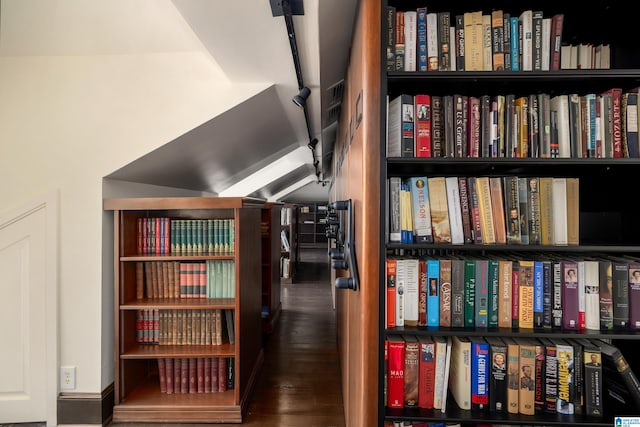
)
(68, 120)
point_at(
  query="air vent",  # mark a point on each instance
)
(335, 93)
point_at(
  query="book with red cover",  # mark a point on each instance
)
(193, 375)
(391, 293)
(222, 373)
(169, 376)
(184, 375)
(395, 382)
(214, 374)
(423, 125)
(162, 375)
(426, 377)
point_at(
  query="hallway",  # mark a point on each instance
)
(300, 381)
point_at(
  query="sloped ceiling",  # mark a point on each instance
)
(250, 44)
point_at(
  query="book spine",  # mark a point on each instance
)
(526, 295)
(395, 392)
(513, 377)
(526, 396)
(570, 309)
(445, 292)
(422, 64)
(504, 291)
(464, 209)
(433, 297)
(593, 393)
(538, 295)
(551, 377)
(480, 373)
(605, 294)
(391, 293)
(422, 292)
(620, 282)
(498, 376)
(391, 38)
(457, 293)
(411, 371)
(564, 404)
(423, 125)
(481, 294)
(469, 292)
(634, 295)
(426, 376)
(540, 378)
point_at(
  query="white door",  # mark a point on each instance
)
(26, 307)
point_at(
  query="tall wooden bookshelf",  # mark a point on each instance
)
(142, 350)
(605, 222)
(271, 259)
(289, 243)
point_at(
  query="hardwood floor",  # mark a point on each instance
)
(299, 384)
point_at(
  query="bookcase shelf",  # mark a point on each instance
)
(607, 225)
(173, 299)
(289, 244)
(311, 225)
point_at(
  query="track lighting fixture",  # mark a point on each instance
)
(301, 98)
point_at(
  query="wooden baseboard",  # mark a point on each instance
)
(86, 408)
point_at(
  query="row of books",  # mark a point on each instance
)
(285, 267)
(424, 40)
(591, 125)
(286, 215)
(164, 236)
(195, 375)
(484, 210)
(527, 376)
(515, 291)
(174, 279)
(185, 327)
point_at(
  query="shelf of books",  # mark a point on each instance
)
(288, 243)
(312, 225)
(187, 307)
(511, 270)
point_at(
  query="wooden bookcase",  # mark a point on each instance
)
(312, 225)
(288, 256)
(607, 225)
(138, 396)
(270, 230)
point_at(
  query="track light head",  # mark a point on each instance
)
(312, 144)
(301, 98)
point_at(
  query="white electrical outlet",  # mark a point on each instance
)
(68, 377)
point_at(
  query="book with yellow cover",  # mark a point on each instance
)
(439, 209)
